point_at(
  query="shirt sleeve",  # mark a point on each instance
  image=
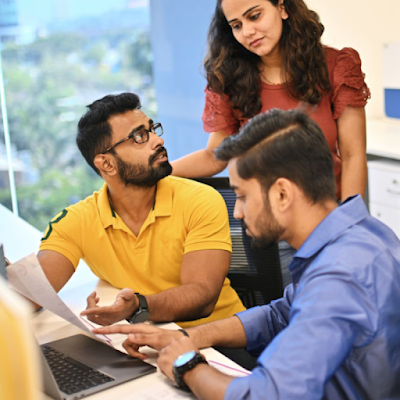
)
(208, 222)
(349, 87)
(331, 313)
(218, 114)
(63, 235)
(262, 324)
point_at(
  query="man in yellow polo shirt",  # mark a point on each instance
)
(164, 237)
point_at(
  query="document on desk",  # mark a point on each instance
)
(27, 277)
(166, 390)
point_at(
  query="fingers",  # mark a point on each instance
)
(143, 334)
(92, 300)
(136, 328)
(127, 294)
(133, 350)
(100, 311)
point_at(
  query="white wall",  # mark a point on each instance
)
(364, 25)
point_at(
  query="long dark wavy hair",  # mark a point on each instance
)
(234, 71)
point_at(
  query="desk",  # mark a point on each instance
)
(48, 327)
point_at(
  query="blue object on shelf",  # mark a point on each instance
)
(392, 103)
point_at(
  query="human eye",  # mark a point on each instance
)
(235, 26)
(140, 136)
(254, 16)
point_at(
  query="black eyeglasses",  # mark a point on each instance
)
(139, 136)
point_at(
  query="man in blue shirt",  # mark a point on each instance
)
(335, 334)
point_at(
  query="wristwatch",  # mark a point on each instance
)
(185, 363)
(142, 313)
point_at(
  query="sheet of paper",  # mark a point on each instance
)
(27, 277)
(237, 371)
(164, 390)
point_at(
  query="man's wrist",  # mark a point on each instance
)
(184, 332)
(185, 363)
(141, 313)
(133, 308)
(189, 376)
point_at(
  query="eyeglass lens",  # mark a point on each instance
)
(142, 136)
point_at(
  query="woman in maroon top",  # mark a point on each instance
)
(267, 54)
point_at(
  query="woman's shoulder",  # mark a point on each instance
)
(345, 56)
(348, 87)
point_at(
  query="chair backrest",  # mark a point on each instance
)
(254, 274)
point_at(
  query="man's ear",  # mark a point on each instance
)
(105, 164)
(283, 194)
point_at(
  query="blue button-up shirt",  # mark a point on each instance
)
(335, 334)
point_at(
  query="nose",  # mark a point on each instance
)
(238, 211)
(156, 141)
(248, 29)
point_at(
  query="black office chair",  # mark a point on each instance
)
(254, 274)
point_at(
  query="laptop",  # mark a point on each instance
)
(79, 366)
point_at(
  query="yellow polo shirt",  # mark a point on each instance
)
(20, 364)
(187, 216)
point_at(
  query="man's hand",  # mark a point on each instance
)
(142, 335)
(169, 354)
(124, 306)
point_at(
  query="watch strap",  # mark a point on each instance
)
(142, 301)
(142, 313)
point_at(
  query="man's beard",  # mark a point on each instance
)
(142, 176)
(269, 228)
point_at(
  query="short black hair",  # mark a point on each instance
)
(287, 144)
(94, 131)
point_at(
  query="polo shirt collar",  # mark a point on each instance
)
(162, 206)
(106, 212)
(349, 213)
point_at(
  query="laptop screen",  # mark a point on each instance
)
(3, 272)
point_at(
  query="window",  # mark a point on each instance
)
(59, 57)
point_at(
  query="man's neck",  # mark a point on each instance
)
(306, 218)
(132, 204)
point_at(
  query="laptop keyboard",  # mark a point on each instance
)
(71, 375)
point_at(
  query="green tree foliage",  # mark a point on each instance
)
(48, 84)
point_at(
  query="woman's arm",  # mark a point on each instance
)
(352, 147)
(201, 163)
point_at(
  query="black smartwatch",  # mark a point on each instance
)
(185, 363)
(142, 313)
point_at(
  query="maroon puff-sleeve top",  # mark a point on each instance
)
(347, 89)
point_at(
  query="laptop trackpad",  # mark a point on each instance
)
(100, 356)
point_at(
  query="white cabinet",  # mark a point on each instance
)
(384, 192)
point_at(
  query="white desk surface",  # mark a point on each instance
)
(48, 327)
(383, 138)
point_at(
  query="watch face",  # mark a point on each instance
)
(141, 316)
(184, 358)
